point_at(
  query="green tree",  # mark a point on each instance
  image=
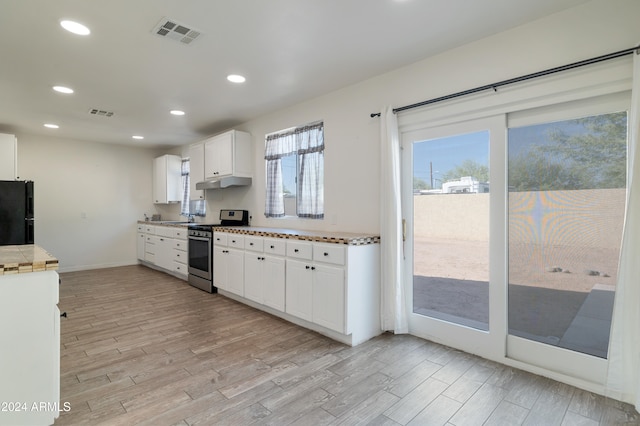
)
(592, 155)
(420, 184)
(467, 168)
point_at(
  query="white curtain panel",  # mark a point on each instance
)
(393, 306)
(623, 378)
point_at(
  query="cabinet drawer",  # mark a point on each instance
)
(254, 243)
(180, 245)
(329, 253)
(299, 249)
(180, 233)
(180, 256)
(220, 238)
(164, 231)
(236, 241)
(275, 246)
(180, 268)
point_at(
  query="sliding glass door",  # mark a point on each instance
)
(514, 229)
(452, 291)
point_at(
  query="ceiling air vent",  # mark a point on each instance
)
(170, 28)
(100, 112)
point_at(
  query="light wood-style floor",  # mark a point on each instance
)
(142, 347)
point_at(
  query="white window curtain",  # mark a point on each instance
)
(393, 304)
(308, 143)
(184, 209)
(623, 378)
(310, 196)
(188, 207)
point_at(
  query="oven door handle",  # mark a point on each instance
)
(200, 238)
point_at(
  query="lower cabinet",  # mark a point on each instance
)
(315, 291)
(164, 247)
(264, 273)
(333, 289)
(228, 264)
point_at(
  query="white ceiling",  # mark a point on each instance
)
(289, 51)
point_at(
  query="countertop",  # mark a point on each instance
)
(296, 234)
(21, 259)
(291, 234)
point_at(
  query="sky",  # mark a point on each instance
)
(446, 153)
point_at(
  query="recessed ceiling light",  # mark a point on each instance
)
(51, 126)
(75, 27)
(137, 137)
(177, 112)
(62, 89)
(235, 78)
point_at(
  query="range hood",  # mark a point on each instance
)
(224, 182)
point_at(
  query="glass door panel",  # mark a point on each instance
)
(451, 229)
(567, 185)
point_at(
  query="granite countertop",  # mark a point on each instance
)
(296, 234)
(25, 258)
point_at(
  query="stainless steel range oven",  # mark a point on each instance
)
(201, 248)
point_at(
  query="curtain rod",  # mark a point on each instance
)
(495, 86)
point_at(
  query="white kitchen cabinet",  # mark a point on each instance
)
(228, 154)
(8, 157)
(329, 297)
(167, 178)
(140, 242)
(180, 252)
(228, 262)
(196, 170)
(315, 289)
(164, 248)
(30, 355)
(333, 289)
(264, 274)
(164, 252)
(299, 289)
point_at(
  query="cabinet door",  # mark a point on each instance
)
(299, 294)
(220, 275)
(274, 282)
(167, 179)
(160, 180)
(235, 271)
(254, 276)
(196, 170)
(164, 253)
(140, 247)
(218, 156)
(329, 297)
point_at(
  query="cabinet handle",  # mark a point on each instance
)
(307, 267)
(233, 241)
(313, 268)
(272, 246)
(250, 244)
(296, 250)
(326, 254)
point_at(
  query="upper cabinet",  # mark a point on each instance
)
(166, 179)
(8, 157)
(196, 170)
(228, 154)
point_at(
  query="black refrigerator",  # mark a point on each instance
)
(16, 212)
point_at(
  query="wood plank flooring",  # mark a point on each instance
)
(142, 347)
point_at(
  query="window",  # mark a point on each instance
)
(189, 207)
(295, 172)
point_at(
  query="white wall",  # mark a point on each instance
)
(88, 197)
(112, 184)
(351, 136)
